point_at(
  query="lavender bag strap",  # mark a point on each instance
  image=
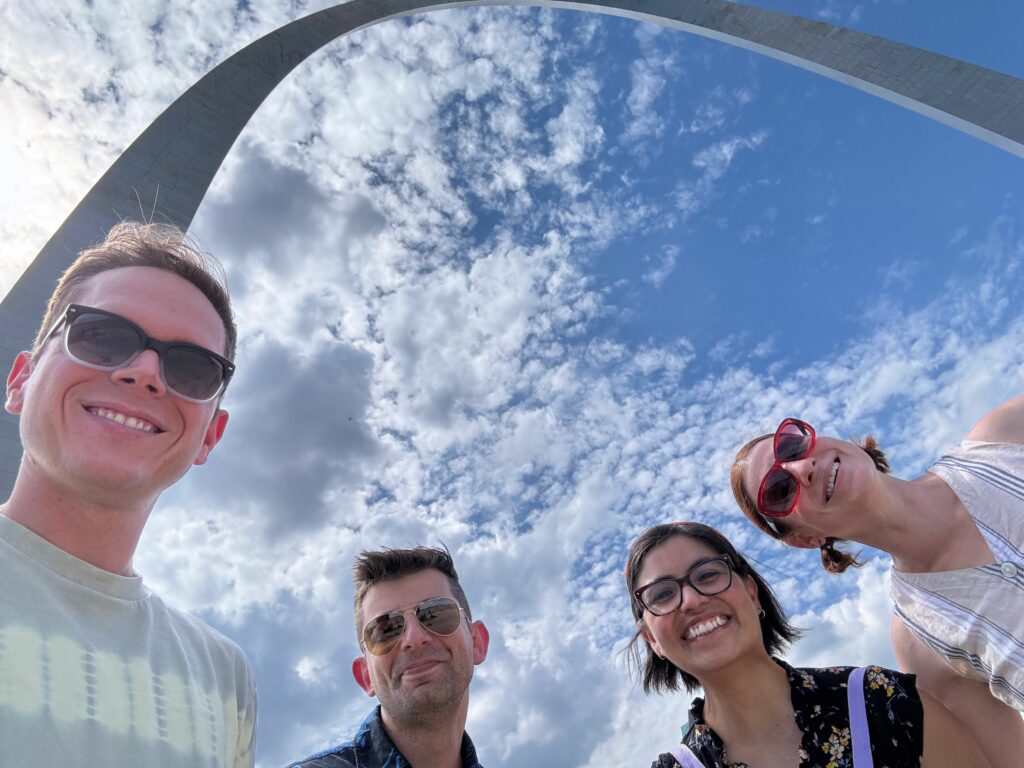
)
(685, 757)
(860, 737)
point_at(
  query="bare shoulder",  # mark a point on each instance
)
(948, 743)
(1003, 424)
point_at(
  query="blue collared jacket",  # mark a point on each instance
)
(371, 747)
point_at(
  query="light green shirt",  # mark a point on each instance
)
(96, 670)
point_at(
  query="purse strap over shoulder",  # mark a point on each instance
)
(685, 757)
(860, 737)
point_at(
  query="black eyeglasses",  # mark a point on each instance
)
(707, 578)
(105, 341)
(440, 615)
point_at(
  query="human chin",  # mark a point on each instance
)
(698, 658)
(126, 467)
(421, 694)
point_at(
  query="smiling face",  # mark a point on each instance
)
(705, 633)
(836, 480)
(118, 437)
(425, 675)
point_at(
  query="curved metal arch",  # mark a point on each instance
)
(175, 159)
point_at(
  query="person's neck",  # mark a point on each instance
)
(912, 520)
(430, 742)
(103, 532)
(750, 696)
(749, 705)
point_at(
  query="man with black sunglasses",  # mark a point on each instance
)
(420, 645)
(118, 398)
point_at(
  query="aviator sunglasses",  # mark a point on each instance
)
(105, 341)
(780, 490)
(439, 615)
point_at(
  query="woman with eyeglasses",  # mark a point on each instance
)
(956, 537)
(705, 618)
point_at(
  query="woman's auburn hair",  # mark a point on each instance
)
(657, 673)
(833, 559)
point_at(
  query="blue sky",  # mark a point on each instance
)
(522, 281)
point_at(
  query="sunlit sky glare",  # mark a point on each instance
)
(521, 281)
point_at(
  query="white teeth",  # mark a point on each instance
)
(832, 480)
(120, 418)
(704, 627)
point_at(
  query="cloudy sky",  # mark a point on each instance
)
(521, 281)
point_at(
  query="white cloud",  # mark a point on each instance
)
(716, 159)
(660, 272)
(854, 630)
(712, 111)
(713, 162)
(648, 78)
(575, 131)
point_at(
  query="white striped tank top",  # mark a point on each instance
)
(974, 618)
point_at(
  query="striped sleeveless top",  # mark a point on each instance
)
(974, 618)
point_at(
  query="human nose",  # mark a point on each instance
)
(690, 598)
(414, 633)
(802, 469)
(143, 370)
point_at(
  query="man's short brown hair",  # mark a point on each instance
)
(376, 566)
(133, 244)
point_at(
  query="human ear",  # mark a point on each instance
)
(214, 432)
(481, 641)
(653, 644)
(751, 586)
(361, 672)
(803, 540)
(20, 371)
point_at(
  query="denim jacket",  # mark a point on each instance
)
(371, 747)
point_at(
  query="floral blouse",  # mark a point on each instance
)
(819, 701)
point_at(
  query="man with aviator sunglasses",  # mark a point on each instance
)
(118, 398)
(420, 645)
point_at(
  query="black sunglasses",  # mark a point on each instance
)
(439, 615)
(707, 578)
(105, 341)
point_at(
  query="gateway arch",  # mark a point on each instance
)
(178, 155)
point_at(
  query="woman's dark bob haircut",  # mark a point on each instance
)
(660, 674)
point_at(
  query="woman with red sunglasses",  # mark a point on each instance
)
(706, 619)
(956, 537)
